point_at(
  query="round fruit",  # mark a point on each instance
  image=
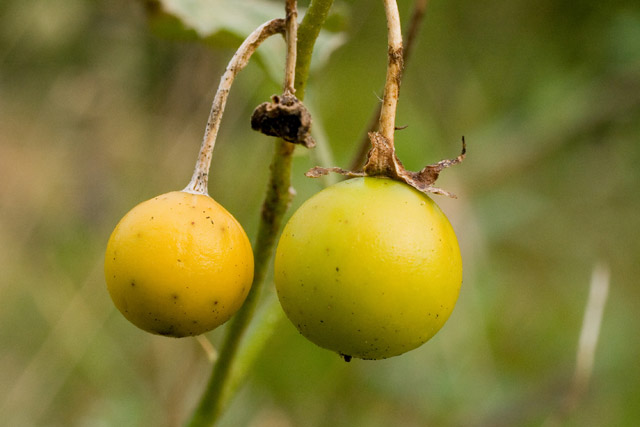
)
(368, 268)
(178, 265)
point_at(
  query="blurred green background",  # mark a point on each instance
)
(98, 113)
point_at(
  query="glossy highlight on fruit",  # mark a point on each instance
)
(178, 265)
(369, 268)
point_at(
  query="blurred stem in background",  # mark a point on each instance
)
(229, 369)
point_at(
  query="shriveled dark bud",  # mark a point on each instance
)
(285, 117)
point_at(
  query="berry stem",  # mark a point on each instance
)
(291, 22)
(417, 18)
(394, 72)
(200, 178)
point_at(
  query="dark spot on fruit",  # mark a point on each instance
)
(215, 303)
(346, 357)
(179, 260)
(321, 321)
(193, 223)
(133, 284)
(337, 268)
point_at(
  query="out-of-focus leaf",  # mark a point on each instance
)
(225, 23)
(208, 17)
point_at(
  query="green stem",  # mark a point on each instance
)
(308, 32)
(221, 385)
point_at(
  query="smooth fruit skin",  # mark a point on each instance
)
(178, 265)
(368, 268)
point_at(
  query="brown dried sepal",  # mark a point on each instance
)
(382, 161)
(285, 117)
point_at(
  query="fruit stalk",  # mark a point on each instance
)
(394, 72)
(417, 18)
(291, 19)
(240, 59)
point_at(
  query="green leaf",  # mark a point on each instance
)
(225, 23)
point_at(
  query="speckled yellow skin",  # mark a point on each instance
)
(368, 268)
(178, 265)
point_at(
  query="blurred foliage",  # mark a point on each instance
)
(98, 113)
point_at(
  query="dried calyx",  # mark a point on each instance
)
(383, 162)
(285, 117)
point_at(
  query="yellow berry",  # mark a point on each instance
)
(178, 265)
(368, 268)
